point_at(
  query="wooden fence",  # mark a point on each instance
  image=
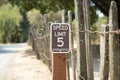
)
(81, 58)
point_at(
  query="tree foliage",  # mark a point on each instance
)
(51, 7)
(35, 17)
(55, 16)
(104, 5)
(93, 15)
(10, 18)
(44, 6)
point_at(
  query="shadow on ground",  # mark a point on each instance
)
(29, 52)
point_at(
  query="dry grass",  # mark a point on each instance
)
(27, 67)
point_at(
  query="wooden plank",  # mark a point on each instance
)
(114, 46)
(81, 70)
(59, 66)
(89, 55)
(104, 52)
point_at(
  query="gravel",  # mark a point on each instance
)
(27, 67)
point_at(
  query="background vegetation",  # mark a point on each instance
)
(10, 19)
(16, 16)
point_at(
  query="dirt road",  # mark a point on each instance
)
(6, 56)
(27, 67)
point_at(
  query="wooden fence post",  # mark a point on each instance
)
(35, 42)
(104, 58)
(81, 70)
(67, 65)
(63, 16)
(46, 24)
(32, 38)
(47, 41)
(72, 46)
(40, 46)
(114, 45)
(89, 56)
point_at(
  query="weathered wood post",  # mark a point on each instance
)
(32, 38)
(104, 54)
(35, 42)
(114, 45)
(40, 45)
(46, 24)
(81, 69)
(67, 66)
(47, 31)
(72, 46)
(89, 55)
(63, 16)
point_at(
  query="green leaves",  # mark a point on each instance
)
(44, 6)
(35, 17)
(10, 14)
(10, 18)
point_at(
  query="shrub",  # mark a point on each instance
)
(10, 18)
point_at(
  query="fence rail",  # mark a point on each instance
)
(85, 31)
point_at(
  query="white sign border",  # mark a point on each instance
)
(51, 37)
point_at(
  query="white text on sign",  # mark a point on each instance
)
(60, 37)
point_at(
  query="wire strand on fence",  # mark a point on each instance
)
(72, 58)
(47, 57)
(82, 77)
(84, 31)
(45, 36)
(98, 32)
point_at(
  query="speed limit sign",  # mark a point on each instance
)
(60, 37)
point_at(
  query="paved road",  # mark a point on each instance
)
(6, 57)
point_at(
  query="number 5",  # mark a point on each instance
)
(60, 41)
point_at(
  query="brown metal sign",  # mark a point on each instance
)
(60, 37)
